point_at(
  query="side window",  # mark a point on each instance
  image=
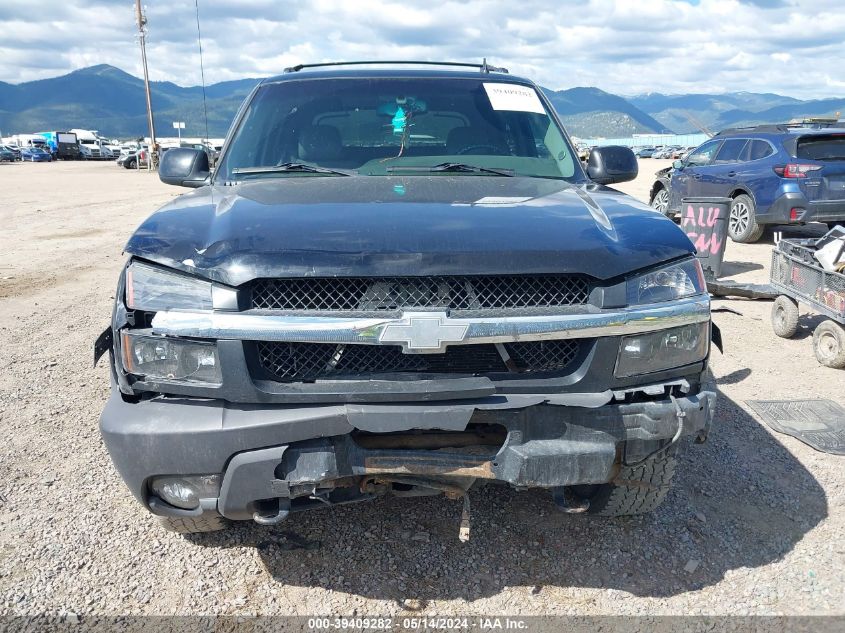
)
(704, 154)
(758, 149)
(730, 151)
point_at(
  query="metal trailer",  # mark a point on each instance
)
(63, 145)
(798, 276)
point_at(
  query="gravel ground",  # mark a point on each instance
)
(754, 524)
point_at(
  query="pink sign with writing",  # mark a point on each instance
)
(699, 223)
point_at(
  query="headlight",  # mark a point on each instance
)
(153, 289)
(665, 284)
(161, 358)
(655, 351)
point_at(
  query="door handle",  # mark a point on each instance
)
(731, 174)
(697, 176)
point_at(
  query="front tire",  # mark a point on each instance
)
(635, 490)
(660, 201)
(742, 222)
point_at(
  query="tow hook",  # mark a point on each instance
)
(568, 502)
(272, 519)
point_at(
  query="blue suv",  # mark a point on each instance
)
(775, 174)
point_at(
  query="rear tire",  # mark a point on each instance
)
(829, 344)
(635, 490)
(742, 223)
(194, 525)
(785, 316)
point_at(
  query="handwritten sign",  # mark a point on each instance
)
(699, 223)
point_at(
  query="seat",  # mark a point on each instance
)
(320, 144)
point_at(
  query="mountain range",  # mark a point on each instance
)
(112, 101)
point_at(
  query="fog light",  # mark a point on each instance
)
(656, 351)
(186, 492)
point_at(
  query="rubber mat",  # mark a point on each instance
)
(817, 423)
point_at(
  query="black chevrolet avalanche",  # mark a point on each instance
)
(402, 281)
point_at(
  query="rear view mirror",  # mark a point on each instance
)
(677, 164)
(184, 167)
(611, 164)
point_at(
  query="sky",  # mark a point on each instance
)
(628, 47)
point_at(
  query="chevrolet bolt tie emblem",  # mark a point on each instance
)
(423, 332)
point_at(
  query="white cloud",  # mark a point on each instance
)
(622, 46)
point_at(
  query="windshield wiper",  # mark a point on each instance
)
(452, 167)
(285, 168)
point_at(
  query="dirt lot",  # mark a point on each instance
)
(755, 524)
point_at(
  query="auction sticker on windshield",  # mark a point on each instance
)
(514, 97)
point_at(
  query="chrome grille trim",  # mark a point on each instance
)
(369, 331)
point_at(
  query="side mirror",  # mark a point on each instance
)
(612, 163)
(184, 167)
(677, 164)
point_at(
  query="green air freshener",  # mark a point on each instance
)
(400, 120)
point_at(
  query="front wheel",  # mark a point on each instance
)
(829, 344)
(635, 490)
(742, 223)
(660, 202)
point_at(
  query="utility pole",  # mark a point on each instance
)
(142, 29)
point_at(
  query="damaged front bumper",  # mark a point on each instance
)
(297, 457)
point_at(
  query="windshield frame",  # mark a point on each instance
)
(579, 174)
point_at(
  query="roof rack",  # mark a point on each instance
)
(483, 66)
(817, 124)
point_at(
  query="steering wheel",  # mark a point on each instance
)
(470, 148)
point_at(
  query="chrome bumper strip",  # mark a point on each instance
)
(431, 332)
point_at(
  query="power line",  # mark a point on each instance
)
(202, 70)
(142, 28)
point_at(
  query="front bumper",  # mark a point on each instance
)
(271, 451)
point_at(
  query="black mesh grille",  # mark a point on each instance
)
(374, 295)
(310, 361)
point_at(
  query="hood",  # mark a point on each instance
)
(408, 225)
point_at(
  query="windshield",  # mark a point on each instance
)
(361, 126)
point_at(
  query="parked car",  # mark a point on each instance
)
(774, 175)
(336, 313)
(16, 151)
(6, 155)
(664, 152)
(684, 152)
(583, 152)
(133, 158)
(645, 152)
(36, 155)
